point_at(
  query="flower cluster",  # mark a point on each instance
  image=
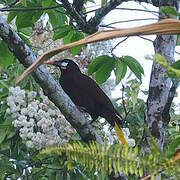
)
(39, 122)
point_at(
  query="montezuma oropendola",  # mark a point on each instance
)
(86, 94)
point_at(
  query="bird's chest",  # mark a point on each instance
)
(77, 89)
(68, 84)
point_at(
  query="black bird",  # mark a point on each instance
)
(86, 94)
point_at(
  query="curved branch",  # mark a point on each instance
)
(48, 84)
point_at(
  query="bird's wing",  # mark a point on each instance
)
(95, 92)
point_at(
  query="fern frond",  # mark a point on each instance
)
(115, 158)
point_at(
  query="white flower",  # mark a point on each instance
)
(32, 110)
(131, 142)
(31, 95)
(30, 113)
(29, 144)
(15, 115)
(16, 123)
(24, 111)
(30, 135)
(22, 118)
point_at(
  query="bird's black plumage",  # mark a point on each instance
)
(85, 93)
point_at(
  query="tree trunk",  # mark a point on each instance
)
(160, 91)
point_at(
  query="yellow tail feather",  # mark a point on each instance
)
(120, 134)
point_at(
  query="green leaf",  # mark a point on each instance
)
(134, 66)
(134, 92)
(2, 134)
(36, 16)
(169, 10)
(6, 57)
(57, 19)
(68, 37)
(61, 32)
(47, 3)
(25, 39)
(176, 65)
(172, 147)
(71, 37)
(11, 16)
(24, 19)
(120, 70)
(76, 36)
(172, 73)
(104, 72)
(98, 62)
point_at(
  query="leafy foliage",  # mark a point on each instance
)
(115, 158)
(103, 66)
(173, 70)
(6, 57)
(169, 10)
(73, 36)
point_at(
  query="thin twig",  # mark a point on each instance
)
(149, 10)
(11, 4)
(143, 10)
(126, 9)
(153, 41)
(147, 39)
(130, 20)
(118, 44)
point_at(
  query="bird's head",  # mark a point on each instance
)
(65, 65)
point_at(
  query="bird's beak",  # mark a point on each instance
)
(50, 62)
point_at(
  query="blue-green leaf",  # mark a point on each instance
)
(104, 72)
(134, 66)
(56, 19)
(98, 62)
(76, 36)
(61, 32)
(71, 37)
(169, 10)
(176, 65)
(120, 70)
(6, 57)
(24, 19)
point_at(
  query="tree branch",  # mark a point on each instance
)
(48, 84)
(7, 9)
(172, 92)
(75, 15)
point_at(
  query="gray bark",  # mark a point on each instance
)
(48, 84)
(159, 89)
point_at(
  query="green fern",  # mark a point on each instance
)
(115, 158)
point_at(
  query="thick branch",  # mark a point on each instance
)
(48, 84)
